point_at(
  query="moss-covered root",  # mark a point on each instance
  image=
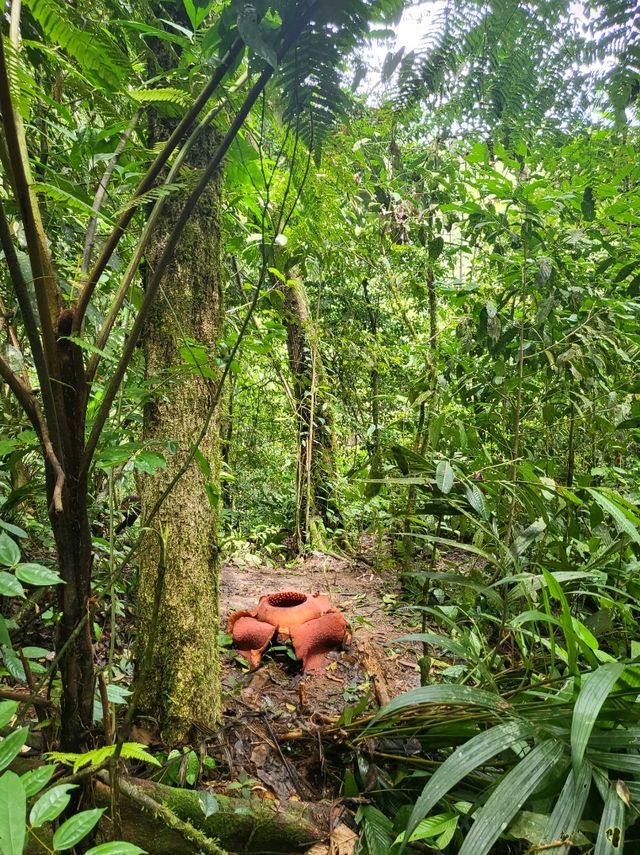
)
(161, 811)
(238, 825)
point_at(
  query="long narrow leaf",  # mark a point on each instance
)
(446, 694)
(441, 641)
(567, 812)
(610, 839)
(620, 517)
(509, 796)
(595, 690)
(464, 760)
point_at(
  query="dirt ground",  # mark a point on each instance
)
(273, 713)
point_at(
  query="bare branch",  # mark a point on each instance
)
(19, 389)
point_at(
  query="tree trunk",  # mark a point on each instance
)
(177, 646)
(316, 463)
(72, 534)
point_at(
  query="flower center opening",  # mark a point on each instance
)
(287, 599)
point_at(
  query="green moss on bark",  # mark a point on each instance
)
(182, 686)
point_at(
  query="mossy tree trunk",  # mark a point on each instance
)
(181, 672)
(316, 460)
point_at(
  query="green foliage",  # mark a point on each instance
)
(97, 757)
(92, 46)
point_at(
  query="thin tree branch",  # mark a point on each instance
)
(141, 246)
(147, 181)
(20, 390)
(31, 407)
(47, 294)
(31, 327)
(101, 192)
(154, 284)
(25, 698)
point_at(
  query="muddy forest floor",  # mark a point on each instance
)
(271, 714)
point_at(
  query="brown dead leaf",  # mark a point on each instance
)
(342, 842)
(259, 754)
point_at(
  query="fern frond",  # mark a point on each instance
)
(68, 200)
(500, 64)
(130, 751)
(91, 47)
(164, 95)
(309, 81)
(21, 79)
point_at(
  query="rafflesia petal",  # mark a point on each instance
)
(287, 609)
(251, 637)
(315, 638)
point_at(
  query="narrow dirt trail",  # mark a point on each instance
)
(366, 597)
(271, 714)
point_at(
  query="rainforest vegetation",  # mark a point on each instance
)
(336, 296)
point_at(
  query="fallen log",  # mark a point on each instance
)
(236, 825)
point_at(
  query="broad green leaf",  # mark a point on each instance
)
(378, 829)
(444, 476)
(117, 847)
(36, 779)
(566, 619)
(7, 711)
(508, 797)
(75, 828)
(197, 11)
(9, 550)
(474, 753)
(434, 826)
(254, 35)
(208, 803)
(13, 664)
(37, 574)
(568, 809)
(531, 533)
(594, 692)
(15, 530)
(615, 762)
(11, 745)
(476, 499)
(610, 840)
(10, 586)
(51, 804)
(13, 809)
(149, 462)
(628, 737)
(443, 694)
(35, 652)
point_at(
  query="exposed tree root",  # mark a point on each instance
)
(238, 825)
